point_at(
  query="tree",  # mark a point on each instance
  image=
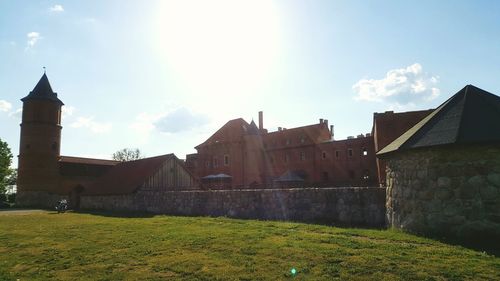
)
(5, 161)
(127, 154)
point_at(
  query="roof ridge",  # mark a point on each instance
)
(464, 112)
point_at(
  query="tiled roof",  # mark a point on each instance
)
(127, 177)
(233, 130)
(472, 115)
(42, 91)
(90, 161)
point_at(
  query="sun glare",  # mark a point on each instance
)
(222, 48)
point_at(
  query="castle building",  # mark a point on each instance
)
(242, 155)
(45, 176)
(238, 155)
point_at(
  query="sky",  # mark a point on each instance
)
(163, 76)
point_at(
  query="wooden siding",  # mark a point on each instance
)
(170, 176)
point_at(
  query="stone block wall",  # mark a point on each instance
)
(39, 199)
(358, 206)
(452, 191)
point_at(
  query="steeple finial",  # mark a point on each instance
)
(44, 70)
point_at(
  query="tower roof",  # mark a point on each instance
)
(252, 129)
(42, 91)
(470, 116)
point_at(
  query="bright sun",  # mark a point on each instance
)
(221, 47)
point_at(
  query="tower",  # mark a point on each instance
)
(39, 148)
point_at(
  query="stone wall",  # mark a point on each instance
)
(346, 206)
(40, 199)
(451, 191)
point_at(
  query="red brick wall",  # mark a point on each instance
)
(389, 126)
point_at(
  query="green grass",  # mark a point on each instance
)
(72, 246)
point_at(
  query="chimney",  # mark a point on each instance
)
(321, 120)
(331, 130)
(326, 122)
(261, 120)
(279, 129)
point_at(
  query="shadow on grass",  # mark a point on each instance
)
(116, 214)
(490, 246)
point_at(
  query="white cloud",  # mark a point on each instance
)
(180, 120)
(67, 111)
(93, 126)
(5, 106)
(33, 37)
(400, 87)
(56, 8)
(18, 113)
(144, 123)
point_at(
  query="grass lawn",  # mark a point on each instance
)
(74, 246)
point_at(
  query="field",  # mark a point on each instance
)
(77, 246)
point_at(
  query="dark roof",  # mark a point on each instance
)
(127, 177)
(252, 129)
(389, 125)
(289, 176)
(42, 91)
(470, 116)
(90, 161)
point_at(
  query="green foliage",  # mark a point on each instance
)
(47, 246)
(5, 161)
(127, 154)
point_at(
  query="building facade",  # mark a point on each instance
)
(253, 157)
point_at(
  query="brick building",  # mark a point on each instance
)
(242, 155)
(44, 176)
(238, 155)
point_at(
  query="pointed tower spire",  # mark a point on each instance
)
(43, 91)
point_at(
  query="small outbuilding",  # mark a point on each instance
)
(443, 174)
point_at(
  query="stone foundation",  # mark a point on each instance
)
(450, 191)
(346, 206)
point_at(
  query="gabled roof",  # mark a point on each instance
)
(233, 130)
(89, 161)
(389, 125)
(127, 177)
(43, 91)
(470, 116)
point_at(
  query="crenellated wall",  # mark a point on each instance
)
(358, 206)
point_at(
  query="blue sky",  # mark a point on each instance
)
(162, 76)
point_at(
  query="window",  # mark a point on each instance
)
(207, 164)
(324, 176)
(349, 152)
(302, 139)
(226, 160)
(288, 142)
(323, 155)
(216, 162)
(365, 152)
(337, 154)
(302, 156)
